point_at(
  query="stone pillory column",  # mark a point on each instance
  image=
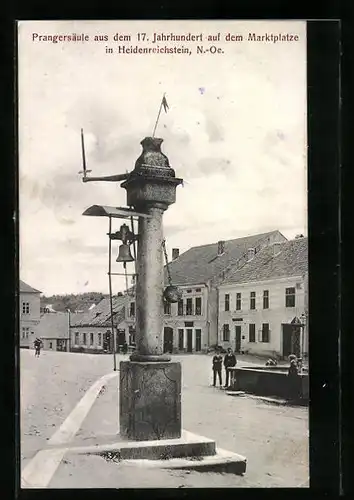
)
(150, 384)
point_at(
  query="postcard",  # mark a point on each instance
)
(163, 254)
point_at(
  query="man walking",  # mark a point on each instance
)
(229, 362)
(217, 367)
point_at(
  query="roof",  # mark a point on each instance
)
(115, 212)
(27, 289)
(101, 314)
(292, 260)
(200, 264)
(53, 326)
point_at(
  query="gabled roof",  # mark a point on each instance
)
(53, 326)
(101, 314)
(200, 264)
(292, 260)
(27, 289)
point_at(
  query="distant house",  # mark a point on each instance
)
(29, 304)
(91, 331)
(263, 305)
(54, 331)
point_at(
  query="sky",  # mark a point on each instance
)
(235, 131)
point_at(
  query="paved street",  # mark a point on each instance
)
(273, 438)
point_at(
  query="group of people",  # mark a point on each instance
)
(228, 361)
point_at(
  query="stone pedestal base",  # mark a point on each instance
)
(150, 400)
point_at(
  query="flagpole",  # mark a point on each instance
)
(158, 116)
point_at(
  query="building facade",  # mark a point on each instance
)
(189, 326)
(262, 307)
(54, 331)
(192, 325)
(29, 314)
(92, 331)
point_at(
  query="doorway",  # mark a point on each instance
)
(61, 345)
(237, 338)
(180, 339)
(198, 340)
(291, 340)
(121, 338)
(189, 340)
(168, 339)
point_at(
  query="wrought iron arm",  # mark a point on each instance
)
(107, 178)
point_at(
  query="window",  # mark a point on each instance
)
(99, 339)
(227, 302)
(132, 309)
(84, 338)
(265, 299)
(226, 333)
(25, 332)
(167, 307)
(76, 338)
(289, 297)
(91, 338)
(50, 345)
(189, 307)
(180, 308)
(180, 339)
(198, 306)
(253, 300)
(198, 290)
(265, 332)
(238, 301)
(189, 291)
(251, 332)
(25, 308)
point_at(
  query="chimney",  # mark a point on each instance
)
(250, 254)
(276, 248)
(221, 247)
(175, 253)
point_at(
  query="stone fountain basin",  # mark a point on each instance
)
(266, 381)
(277, 368)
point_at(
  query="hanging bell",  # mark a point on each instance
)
(124, 254)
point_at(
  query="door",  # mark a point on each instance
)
(237, 338)
(291, 340)
(167, 339)
(180, 339)
(189, 340)
(198, 340)
(121, 338)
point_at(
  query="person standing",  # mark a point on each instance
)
(217, 367)
(294, 378)
(37, 347)
(229, 362)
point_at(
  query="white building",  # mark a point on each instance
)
(192, 324)
(29, 305)
(54, 331)
(262, 306)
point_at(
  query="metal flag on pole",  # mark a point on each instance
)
(163, 105)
